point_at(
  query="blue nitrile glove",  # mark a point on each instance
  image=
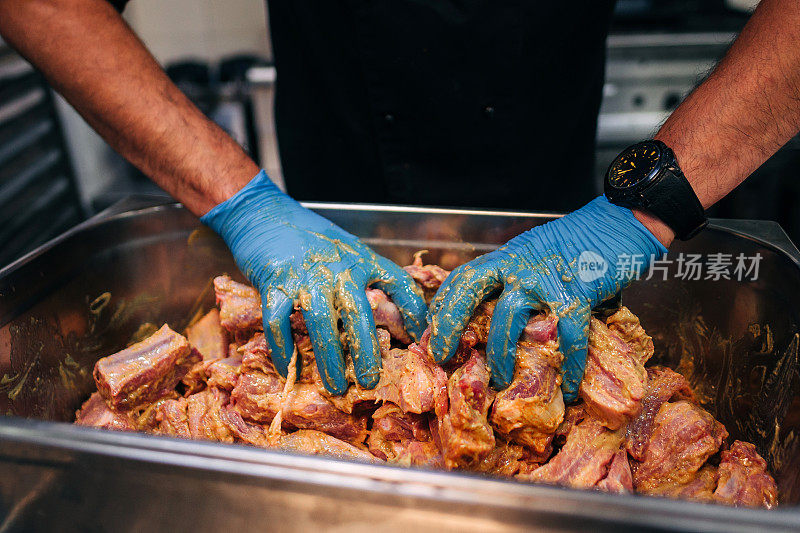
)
(288, 253)
(568, 265)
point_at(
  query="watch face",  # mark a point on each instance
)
(633, 166)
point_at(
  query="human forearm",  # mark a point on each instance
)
(91, 57)
(744, 112)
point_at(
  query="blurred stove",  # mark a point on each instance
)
(653, 62)
(647, 76)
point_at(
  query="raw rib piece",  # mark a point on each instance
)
(220, 373)
(626, 325)
(203, 415)
(256, 397)
(243, 431)
(144, 416)
(699, 488)
(387, 315)
(195, 379)
(428, 277)
(409, 379)
(172, 419)
(145, 371)
(303, 440)
(464, 432)
(223, 373)
(573, 415)
(585, 458)
(531, 408)
(95, 413)
(255, 354)
(318, 443)
(619, 478)
(743, 478)
(614, 380)
(208, 336)
(505, 459)
(683, 437)
(663, 384)
(239, 305)
(403, 438)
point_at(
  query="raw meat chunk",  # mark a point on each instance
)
(626, 325)
(203, 415)
(239, 305)
(585, 458)
(208, 336)
(618, 478)
(531, 408)
(409, 379)
(95, 413)
(223, 373)
(743, 478)
(464, 432)
(146, 371)
(318, 443)
(257, 397)
(700, 487)
(614, 380)
(387, 315)
(172, 418)
(683, 437)
(403, 438)
(663, 384)
(428, 277)
(195, 379)
(195, 417)
(573, 415)
(505, 459)
(242, 430)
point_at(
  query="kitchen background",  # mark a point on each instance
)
(219, 54)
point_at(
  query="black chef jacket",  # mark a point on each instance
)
(475, 103)
(471, 103)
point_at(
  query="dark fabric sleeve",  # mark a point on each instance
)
(119, 5)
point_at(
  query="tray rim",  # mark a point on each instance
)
(470, 489)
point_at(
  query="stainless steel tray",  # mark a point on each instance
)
(83, 296)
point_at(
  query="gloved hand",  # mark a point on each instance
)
(549, 266)
(288, 253)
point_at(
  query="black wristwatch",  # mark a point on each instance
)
(647, 176)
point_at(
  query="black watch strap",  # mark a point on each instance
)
(674, 201)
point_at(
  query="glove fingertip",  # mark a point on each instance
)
(569, 396)
(336, 385)
(415, 326)
(278, 332)
(573, 329)
(499, 381)
(280, 359)
(369, 381)
(503, 363)
(573, 369)
(441, 348)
